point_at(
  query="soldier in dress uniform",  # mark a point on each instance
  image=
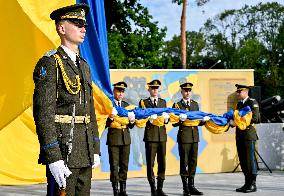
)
(118, 141)
(63, 108)
(188, 138)
(246, 139)
(155, 138)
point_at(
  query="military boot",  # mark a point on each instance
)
(160, 191)
(241, 189)
(185, 186)
(153, 187)
(251, 186)
(123, 188)
(191, 187)
(115, 188)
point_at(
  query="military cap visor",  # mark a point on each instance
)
(154, 84)
(186, 85)
(241, 87)
(74, 13)
(120, 85)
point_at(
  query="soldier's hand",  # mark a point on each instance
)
(166, 116)
(113, 112)
(206, 118)
(97, 161)
(182, 117)
(153, 117)
(131, 116)
(232, 123)
(59, 172)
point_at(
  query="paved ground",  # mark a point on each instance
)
(223, 184)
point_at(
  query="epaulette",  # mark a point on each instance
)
(50, 53)
(125, 102)
(177, 106)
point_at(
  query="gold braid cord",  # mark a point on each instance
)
(68, 83)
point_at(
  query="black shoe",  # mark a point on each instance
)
(241, 189)
(194, 191)
(153, 187)
(115, 188)
(160, 191)
(122, 188)
(250, 189)
(185, 186)
(191, 187)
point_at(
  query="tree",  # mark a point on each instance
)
(250, 38)
(183, 27)
(134, 40)
(195, 46)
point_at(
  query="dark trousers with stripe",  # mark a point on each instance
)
(78, 183)
(118, 161)
(246, 153)
(153, 149)
(188, 158)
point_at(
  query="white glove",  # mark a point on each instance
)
(59, 172)
(114, 111)
(97, 161)
(153, 117)
(182, 117)
(232, 123)
(206, 118)
(131, 116)
(166, 116)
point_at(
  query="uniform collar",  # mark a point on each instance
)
(245, 99)
(116, 102)
(70, 53)
(152, 99)
(186, 100)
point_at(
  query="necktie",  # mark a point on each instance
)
(155, 102)
(78, 61)
(118, 103)
(187, 103)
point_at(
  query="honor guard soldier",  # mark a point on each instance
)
(63, 108)
(118, 141)
(188, 138)
(246, 139)
(155, 138)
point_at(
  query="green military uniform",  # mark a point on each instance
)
(118, 141)
(246, 139)
(187, 138)
(155, 138)
(53, 106)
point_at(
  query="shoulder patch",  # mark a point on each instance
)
(50, 53)
(255, 105)
(42, 72)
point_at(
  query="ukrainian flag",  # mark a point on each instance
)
(27, 34)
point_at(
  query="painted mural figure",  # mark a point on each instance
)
(155, 138)
(188, 138)
(63, 108)
(246, 139)
(118, 141)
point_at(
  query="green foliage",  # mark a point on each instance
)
(134, 40)
(251, 37)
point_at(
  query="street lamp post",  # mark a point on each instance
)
(219, 61)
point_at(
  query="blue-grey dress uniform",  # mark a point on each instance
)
(53, 107)
(187, 138)
(245, 141)
(155, 138)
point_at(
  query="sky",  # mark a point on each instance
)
(168, 14)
